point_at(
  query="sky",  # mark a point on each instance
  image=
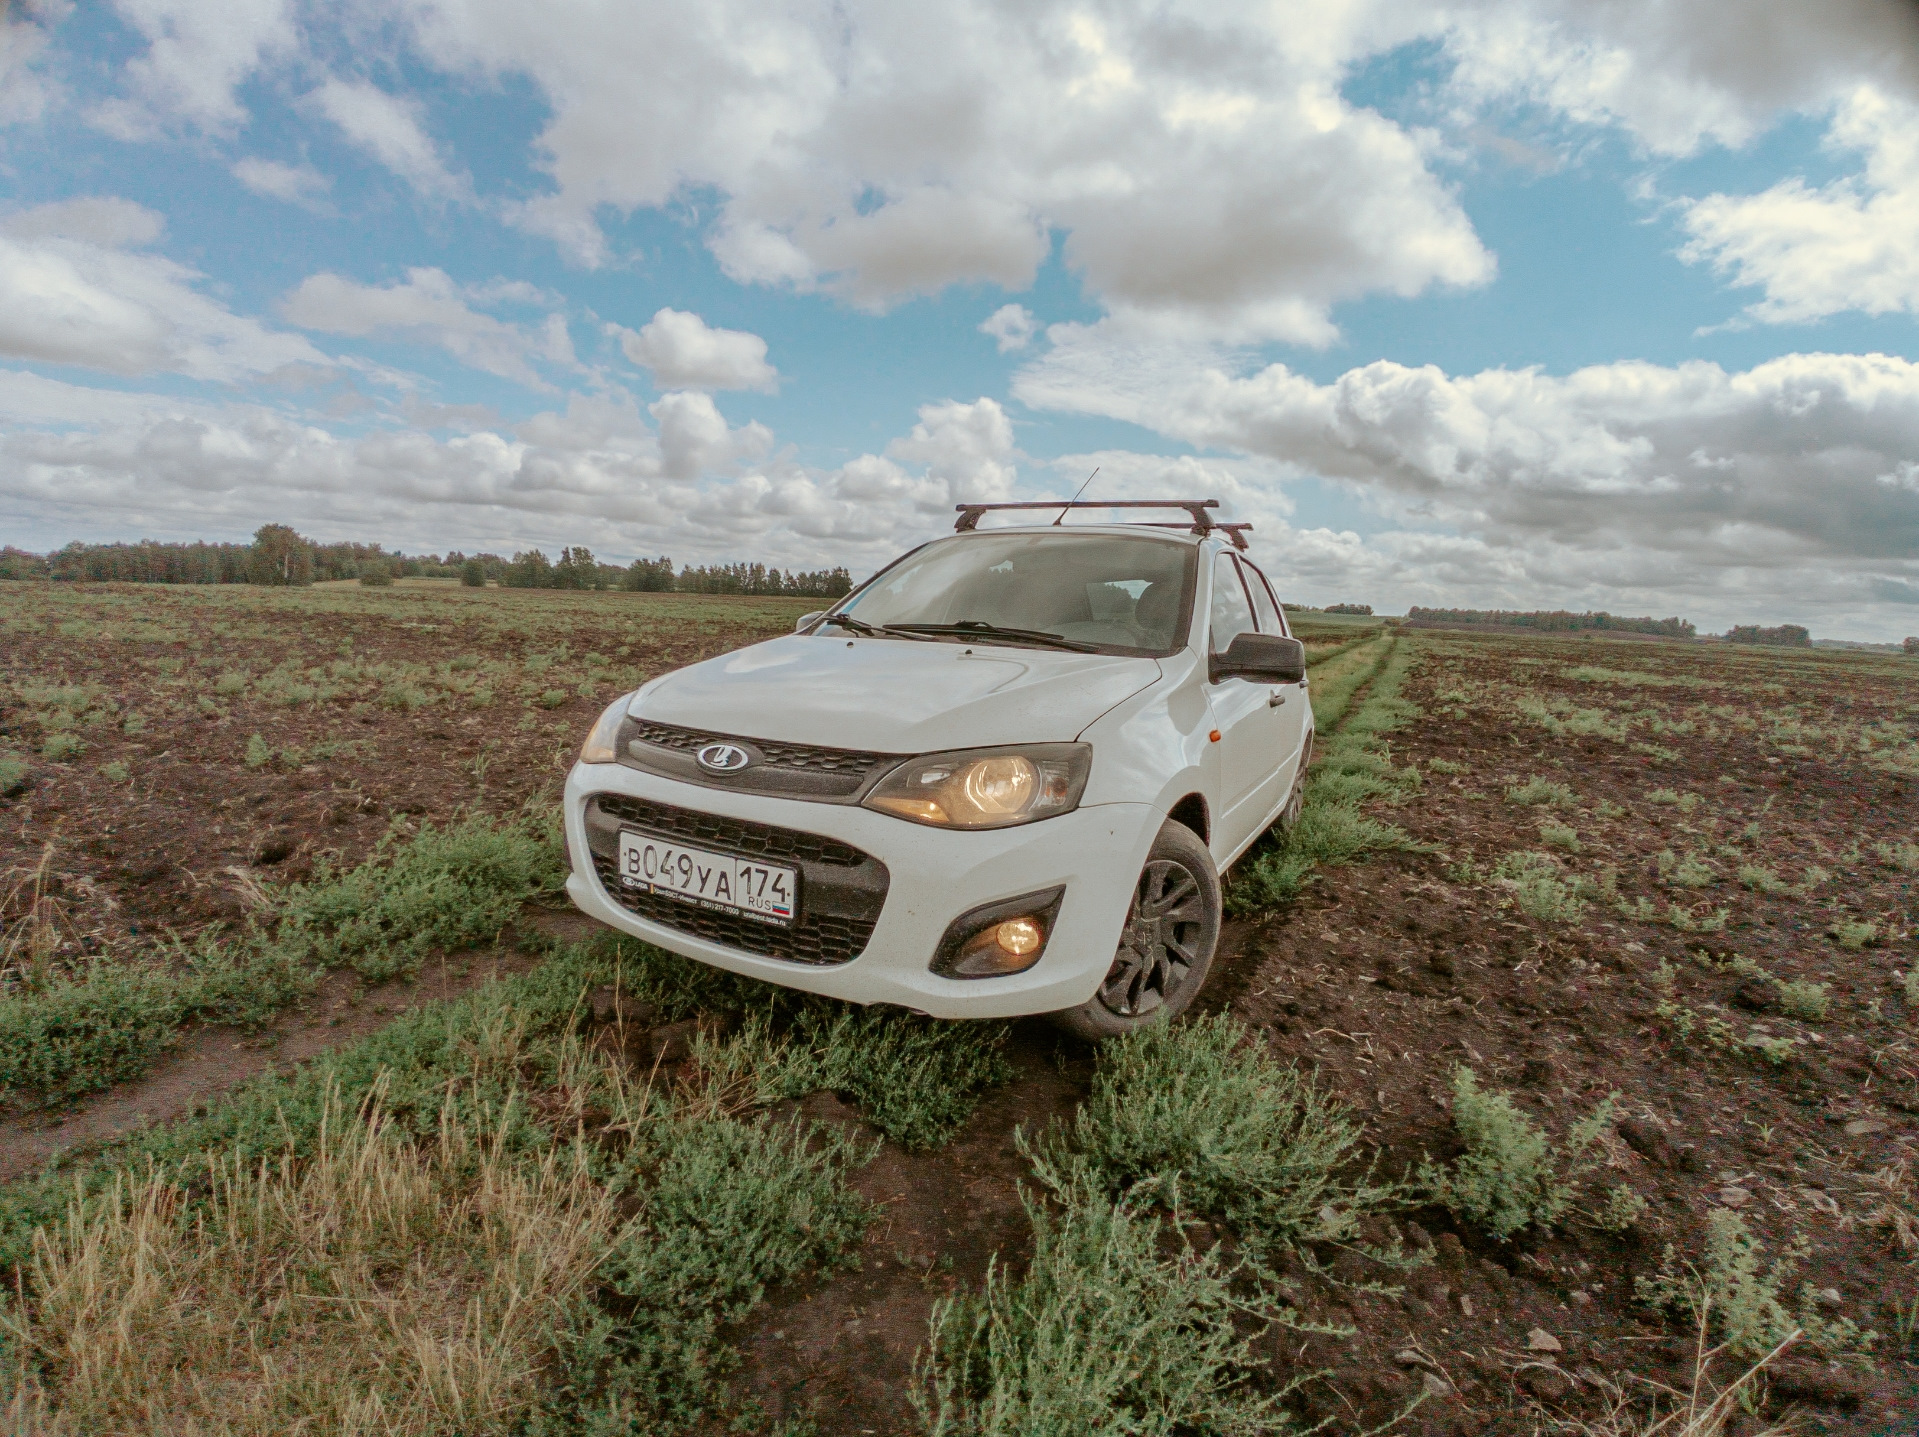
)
(1586, 304)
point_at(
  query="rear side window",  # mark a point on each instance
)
(1231, 615)
(1271, 619)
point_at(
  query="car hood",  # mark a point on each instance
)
(894, 695)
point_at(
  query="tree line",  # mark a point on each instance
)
(1552, 621)
(281, 557)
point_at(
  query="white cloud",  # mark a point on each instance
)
(1677, 480)
(967, 448)
(197, 54)
(1012, 326)
(72, 293)
(1204, 168)
(1846, 246)
(684, 352)
(296, 184)
(25, 93)
(389, 129)
(429, 308)
(1673, 73)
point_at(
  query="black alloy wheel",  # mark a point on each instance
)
(1166, 945)
(1159, 946)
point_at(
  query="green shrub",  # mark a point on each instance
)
(229, 684)
(1804, 1000)
(115, 772)
(552, 698)
(1622, 1210)
(60, 747)
(473, 574)
(13, 773)
(1106, 1331)
(1544, 791)
(258, 752)
(1446, 766)
(1540, 888)
(443, 888)
(1761, 879)
(726, 1209)
(376, 574)
(1851, 934)
(1510, 1175)
(1739, 1300)
(1198, 1117)
(1903, 855)
(1560, 835)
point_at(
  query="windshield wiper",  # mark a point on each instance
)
(872, 631)
(978, 628)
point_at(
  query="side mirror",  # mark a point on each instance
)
(806, 621)
(1263, 658)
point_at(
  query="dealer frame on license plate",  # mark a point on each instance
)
(723, 882)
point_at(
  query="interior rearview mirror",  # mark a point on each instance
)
(1262, 658)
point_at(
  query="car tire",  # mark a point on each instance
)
(1296, 800)
(1166, 945)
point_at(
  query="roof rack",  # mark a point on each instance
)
(1201, 522)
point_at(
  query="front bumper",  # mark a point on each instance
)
(933, 875)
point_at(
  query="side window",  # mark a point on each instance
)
(1232, 615)
(1271, 621)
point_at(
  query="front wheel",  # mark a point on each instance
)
(1166, 948)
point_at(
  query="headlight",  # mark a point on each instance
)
(986, 787)
(603, 742)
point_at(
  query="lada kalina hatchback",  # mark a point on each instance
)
(1001, 777)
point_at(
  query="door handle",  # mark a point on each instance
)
(1275, 699)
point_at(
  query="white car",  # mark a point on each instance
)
(1001, 777)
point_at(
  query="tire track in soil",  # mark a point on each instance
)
(212, 1060)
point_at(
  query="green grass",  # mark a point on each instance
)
(1351, 765)
(83, 1030)
(13, 773)
(1510, 1175)
(1198, 1118)
(1541, 792)
(1116, 1326)
(1539, 885)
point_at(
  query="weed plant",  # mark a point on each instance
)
(1117, 1325)
(13, 773)
(1539, 886)
(1853, 934)
(1199, 1118)
(1541, 791)
(1733, 1292)
(1511, 1175)
(1351, 765)
(1804, 1000)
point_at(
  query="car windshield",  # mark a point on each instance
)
(1118, 593)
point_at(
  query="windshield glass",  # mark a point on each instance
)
(1123, 594)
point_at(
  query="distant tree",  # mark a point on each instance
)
(648, 576)
(1785, 636)
(1912, 646)
(529, 570)
(376, 574)
(473, 574)
(19, 564)
(577, 569)
(1364, 610)
(280, 557)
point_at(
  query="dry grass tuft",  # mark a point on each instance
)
(1704, 1409)
(375, 1286)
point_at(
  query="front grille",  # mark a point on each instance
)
(773, 755)
(842, 889)
(750, 840)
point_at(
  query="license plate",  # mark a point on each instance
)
(720, 881)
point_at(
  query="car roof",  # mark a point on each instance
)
(1177, 533)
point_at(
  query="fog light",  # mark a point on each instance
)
(1020, 936)
(999, 939)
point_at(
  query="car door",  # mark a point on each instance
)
(1289, 702)
(1249, 726)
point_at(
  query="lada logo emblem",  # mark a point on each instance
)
(723, 758)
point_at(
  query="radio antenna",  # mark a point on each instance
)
(1075, 499)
